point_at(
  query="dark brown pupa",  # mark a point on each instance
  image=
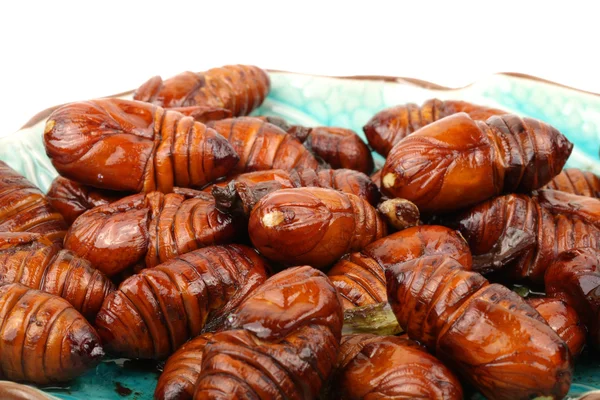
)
(485, 332)
(564, 320)
(280, 343)
(43, 339)
(574, 277)
(391, 367)
(360, 277)
(237, 88)
(313, 226)
(35, 262)
(393, 124)
(523, 234)
(261, 146)
(72, 199)
(576, 181)
(457, 162)
(181, 371)
(156, 311)
(24, 208)
(147, 229)
(133, 146)
(243, 191)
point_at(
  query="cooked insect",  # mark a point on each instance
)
(24, 208)
(574, 277)
(281, 342)
(393, 124)
(419, 241)
(179, 376)
(43, 339)
(485, 332)
(263, 146)
(72, 199)
(390, 367)
(237, 88)
(360, 277)
(338, 147)
(312, 226)
(524, 234)
(133, 146)
(576, 181)
(457, 162)
(564, 320)
(243, 192)
(32, 260)
(149, 229)
(359, 280)
(156, 311)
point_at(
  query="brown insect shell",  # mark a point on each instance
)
(24, 208)
(576, 181)
(32, 260)
(564, 320)
(393, 124)
(390, 367)
(282, 341)
(237, 88)
(43, 339)
(72, 199)
(312, 226)
(87, 142)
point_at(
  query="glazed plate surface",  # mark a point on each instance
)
(348, 102)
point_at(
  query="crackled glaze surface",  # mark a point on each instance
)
(348, 103)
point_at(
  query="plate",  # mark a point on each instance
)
(345, 102)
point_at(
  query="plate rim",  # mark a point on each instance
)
(40, 116)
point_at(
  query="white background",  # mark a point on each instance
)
(55, 51)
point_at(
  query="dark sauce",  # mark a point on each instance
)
(122, 390)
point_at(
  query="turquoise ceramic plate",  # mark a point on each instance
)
(312, 100)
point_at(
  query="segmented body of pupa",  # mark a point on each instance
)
(338, 147)
(243, 192)
(360, 277)
(32, 260)
(313, 226)
(457, 162)
(261, 146)
(564, 320)
(181, 371)
(72, 199)
(484, 332)
(390, 367)
(149, 229)
(43, 339)
(393, 124)
(24, 208)
(574, 277)
(237, 88)
(280, 343)
(156, 311)
(134, 146)
(524, 234)
(576, 181)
